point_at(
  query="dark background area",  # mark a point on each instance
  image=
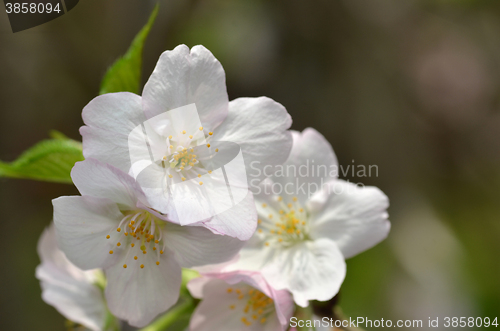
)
(411, 86)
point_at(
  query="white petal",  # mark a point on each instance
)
(101, 180)
(138, 295)
(354, 217)
(311, 164)
(197, 246)
(109, 119)
(68, 288)
(82, 223)
(181, 78)
(312, 270)
(238, 222)
(260, 126)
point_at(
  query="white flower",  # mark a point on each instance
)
(303, 239)
(239, 301)
(183, 77)
(111, 227)
(72, 291)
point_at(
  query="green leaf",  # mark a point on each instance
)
(125, 74)
(49, 160)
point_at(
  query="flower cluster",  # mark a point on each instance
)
(165, 185)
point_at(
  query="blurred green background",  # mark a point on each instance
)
(412, 86)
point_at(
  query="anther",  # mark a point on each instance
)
(118, 244)
(216, 149)
(125, 266)
(142, 266)
(107, 237)
(183, 132)
(135, 257)
(201, 128)
(143, 252)
(208, 145)
(161, 252)
(169, 137)
(210, 133)
(201, 183)
(118, 229)
(157, 262)
(110, 252)
(183, 178)
(170, 176)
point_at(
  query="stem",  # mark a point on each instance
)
(169, 318)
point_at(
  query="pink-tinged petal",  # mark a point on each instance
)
(312, 270)
(239, 222)
(283, 300)
(109, 119)
(82, 224)
(67, 288)
(352, 216)
(311, 164)
(137, 295)
(101, 180)
(260, 126)
(214, 312)
(182, 77)
(220, 309)
(197, 246)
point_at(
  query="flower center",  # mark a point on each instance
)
(139, 233)
(285, 226)
(181, 161)
(256, 305)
